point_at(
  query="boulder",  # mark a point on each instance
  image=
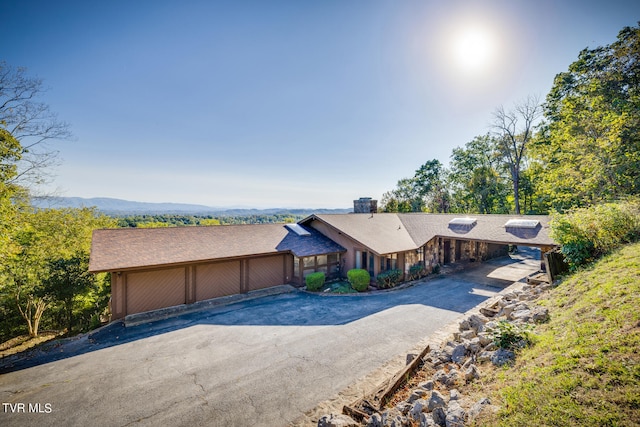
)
(439, 417)
(435, 401)
(472, 373)
(502, 357)
(447, 378)
(419, 406)
(393, 418)
(455, 415)
(375, 420)
(458, 353)
(540, 315)
(419, 393)
(454, 394)
(427, 385)
(478, 407)
(333, 420)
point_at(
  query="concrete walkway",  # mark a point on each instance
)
(264, 362)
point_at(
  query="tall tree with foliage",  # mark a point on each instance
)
(474, 176)
(590, 148)
(426, 191)
(514, 130)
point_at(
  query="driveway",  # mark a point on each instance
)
(263, 362)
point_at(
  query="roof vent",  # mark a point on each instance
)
(298, 229)
(463, 221)
(522, 223)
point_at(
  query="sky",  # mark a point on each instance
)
(298, 104)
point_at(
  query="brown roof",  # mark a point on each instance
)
(386, 233)
(126, 248)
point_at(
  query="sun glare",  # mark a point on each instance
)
(473, 49)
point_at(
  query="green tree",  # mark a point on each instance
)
(46, 241)
(514, 131)
(590, 148)
(477, 185)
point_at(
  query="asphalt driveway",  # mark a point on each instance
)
(254, 363)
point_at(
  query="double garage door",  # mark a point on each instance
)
(151, 290)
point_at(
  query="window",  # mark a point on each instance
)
(321, 260)
(296, 266)
(389, 262)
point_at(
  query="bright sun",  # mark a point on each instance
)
(473, 49)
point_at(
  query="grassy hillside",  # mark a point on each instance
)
(584, 369)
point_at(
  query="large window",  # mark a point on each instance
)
(328, 264)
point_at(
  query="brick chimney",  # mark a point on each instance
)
(365, 205)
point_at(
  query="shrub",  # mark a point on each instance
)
(436, 269)
(388, 279)
(511, 336)
(588, 233)
(359, 279)
(315, 281)
(417, 271)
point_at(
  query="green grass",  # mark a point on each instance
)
(584, 369)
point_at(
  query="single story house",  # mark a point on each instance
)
(153, 268)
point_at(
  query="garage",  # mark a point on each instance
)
(151, 290)
(217, 280)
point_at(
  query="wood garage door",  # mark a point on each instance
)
(266, 272)
(151, 290)
(217, 280)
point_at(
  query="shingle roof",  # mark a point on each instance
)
(125, 248)
(386, 233)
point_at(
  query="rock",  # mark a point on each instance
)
(478, 407)
(540, 315)
(403, 407)
(410, 357)
(419, 393)
(502, 357)
(521, 315)
(439, 417)
(333, 420)
(488, 312)
(375, 420)
(393, 418)
(426, 420)
(435, 401)
(458, 353)
(507, 310)
(467, 335)
(455, 415)
(485, 339)
(447, 378)
(472, 373)
(427, 385)
(418, 408)
(454, 394)
(473, 345)
(485, 356)
(477, 322)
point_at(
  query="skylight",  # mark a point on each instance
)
(462, 221)
(522, 223)
(297, 228)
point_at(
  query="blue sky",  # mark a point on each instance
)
(284, 103)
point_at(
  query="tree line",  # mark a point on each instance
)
(172, 220)
(579, 147)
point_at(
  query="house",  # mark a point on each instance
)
(163, 267)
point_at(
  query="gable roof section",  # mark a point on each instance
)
(127, 248)
(382, 233)
(386, 233)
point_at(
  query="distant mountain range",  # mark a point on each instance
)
(121, 207)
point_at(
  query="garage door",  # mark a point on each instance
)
(217, 280)
(266, 272)
(151, 290)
